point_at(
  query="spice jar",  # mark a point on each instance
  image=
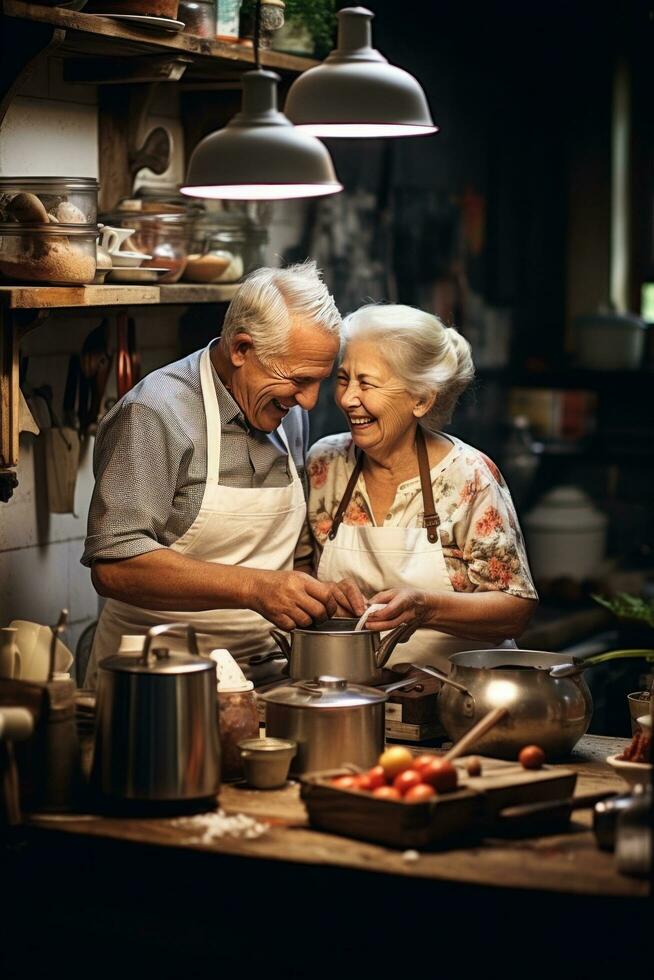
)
(238, 717)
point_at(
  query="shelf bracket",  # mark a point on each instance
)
(21, 50)
(112, 71)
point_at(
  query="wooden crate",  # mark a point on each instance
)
(445, 821)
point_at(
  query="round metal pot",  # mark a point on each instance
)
(156, 737)
(333, 722)
(335, 649)
(553, 712)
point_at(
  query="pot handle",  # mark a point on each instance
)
(388, 644)
(282, 643)
(168, 628)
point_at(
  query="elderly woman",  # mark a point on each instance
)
(405, 515)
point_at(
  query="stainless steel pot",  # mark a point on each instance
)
(553, 712)
(156, 737)
(335, 649)
(332, 722)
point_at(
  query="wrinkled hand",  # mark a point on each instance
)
(290, 599)
(403, 606)
(349, 598)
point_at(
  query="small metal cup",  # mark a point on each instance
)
(638, 705)
(266, 761)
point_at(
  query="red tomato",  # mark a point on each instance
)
(531, 757)
(345, 782)
(377, 777)
(441, 775)
(406, 780)
(419, 793)
(363, 782)
(386, 793)
(421, 761)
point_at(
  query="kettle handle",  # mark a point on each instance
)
(168, 628)
(388, 644)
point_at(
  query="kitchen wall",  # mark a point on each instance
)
(52, 128)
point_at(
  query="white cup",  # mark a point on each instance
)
(10, 662)
(112, 239)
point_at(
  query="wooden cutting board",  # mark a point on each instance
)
(452, 817)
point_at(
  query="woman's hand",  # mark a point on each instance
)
(349, 598)
(402, 606)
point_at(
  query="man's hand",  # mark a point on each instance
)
(351, 600)
(290, 599)
(403, 606)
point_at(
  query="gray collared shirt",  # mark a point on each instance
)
(150, 462)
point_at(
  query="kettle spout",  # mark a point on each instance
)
(388, 644)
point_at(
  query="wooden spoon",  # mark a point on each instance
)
(483, 725)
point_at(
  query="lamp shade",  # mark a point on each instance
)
(259, 154)
(355, 92)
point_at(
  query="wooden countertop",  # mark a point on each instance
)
(567, 863)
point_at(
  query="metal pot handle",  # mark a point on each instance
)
(388, 644)
(168, 628)
(435, 672)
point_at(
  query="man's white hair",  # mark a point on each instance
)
(430, 358)
(269, 300)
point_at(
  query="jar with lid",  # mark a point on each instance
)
(199, 18)
(162, 236)
(238, 717)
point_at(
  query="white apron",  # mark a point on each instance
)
(380, 558)
(257, 527)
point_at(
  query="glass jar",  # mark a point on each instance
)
(61, 255)
(162, 236)
(238, 718)
(199, 18)
(57, 200)
(220, 258)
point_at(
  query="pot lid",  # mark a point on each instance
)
(325, 692)
(565, 508)
(160, 661)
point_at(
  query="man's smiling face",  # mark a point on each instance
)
(266, 391)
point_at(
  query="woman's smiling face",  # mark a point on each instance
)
(380, 411)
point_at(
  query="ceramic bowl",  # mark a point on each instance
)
(632, 772)
(128, 260)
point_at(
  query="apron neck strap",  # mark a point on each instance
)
(347, 496)
(431, 518)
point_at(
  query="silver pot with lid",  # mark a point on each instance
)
(156, 737)
(332, 721)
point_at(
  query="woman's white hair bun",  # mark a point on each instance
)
(431, 358)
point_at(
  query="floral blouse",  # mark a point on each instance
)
(482, 543)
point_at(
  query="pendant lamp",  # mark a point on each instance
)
(355, 92)
(259, 154)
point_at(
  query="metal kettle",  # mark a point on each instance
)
(156, 735)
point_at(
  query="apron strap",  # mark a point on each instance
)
(347, 496)
(431, 519)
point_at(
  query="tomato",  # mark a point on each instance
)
(395, 760)
(363, 782)
(406, 780)
(441, 775)
(421, 761)
(420, 793)
(531, 757)
(377, 777)
(345, 782)
(386, 793)
(473, 766)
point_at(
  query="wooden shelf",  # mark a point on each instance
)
(92, 36)
(66, 297)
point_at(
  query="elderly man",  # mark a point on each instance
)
(199, 505)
